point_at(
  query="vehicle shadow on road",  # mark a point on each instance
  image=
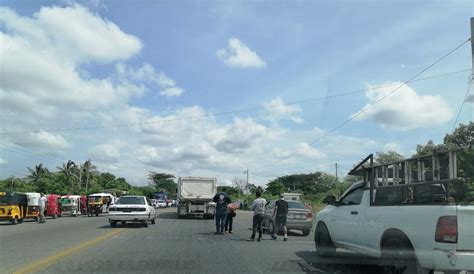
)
(127, 225)
(345, 262)
(167, 215)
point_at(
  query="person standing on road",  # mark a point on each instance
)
(221, 199)
(229, 219)
(258, 208)
(42, 205)
(280, 214)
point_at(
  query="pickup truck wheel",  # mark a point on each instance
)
(398, 256)
(145, 224)
(324, 244)
(113, 223)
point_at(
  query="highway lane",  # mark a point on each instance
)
(171, 245)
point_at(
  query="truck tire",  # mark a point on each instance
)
(145, 224)
(113, 223)
(323, 242)
(398, 256)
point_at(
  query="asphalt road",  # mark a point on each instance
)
(88, 245)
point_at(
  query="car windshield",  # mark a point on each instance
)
(297, 205)
(214, 108)
(131, 201)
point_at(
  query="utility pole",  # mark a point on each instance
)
(336, 172)
(247, 182)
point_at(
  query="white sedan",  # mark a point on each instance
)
(132, 209)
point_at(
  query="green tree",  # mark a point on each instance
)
(162, 181)
(276, 187)
(387, 157)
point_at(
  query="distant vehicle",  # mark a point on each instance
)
(299, 217)
(161, 196)
(195, 196)
(53, 207)
(33, 205)
(70, 205)
(161, 203)
(13, 206)
(97, 202)
(403, 214)
(292, 196)
(132, 209)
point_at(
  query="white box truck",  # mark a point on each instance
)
(195, 197)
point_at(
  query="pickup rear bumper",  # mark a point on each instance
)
(454, 260)
(129, 217)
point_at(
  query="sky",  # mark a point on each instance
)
(213, 88)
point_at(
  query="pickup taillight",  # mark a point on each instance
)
(309, 216)
(447, 229)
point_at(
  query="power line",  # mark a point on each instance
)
(376, 102)
(463, 101)
(224, 113)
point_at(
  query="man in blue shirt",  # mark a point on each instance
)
(222, 200)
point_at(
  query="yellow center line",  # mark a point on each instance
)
(52, 259)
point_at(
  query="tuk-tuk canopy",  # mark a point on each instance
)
(33, 198)
(13, 198)
(70, 199)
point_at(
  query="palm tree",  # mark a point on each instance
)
(87, 168)
(38, 172)
(69, 170)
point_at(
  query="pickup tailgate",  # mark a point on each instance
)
(465, 227)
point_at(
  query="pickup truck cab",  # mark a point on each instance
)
(416, 236)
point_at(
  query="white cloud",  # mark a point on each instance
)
(238, 55)
(470, 98)
(277, 110)
(148, 74)
(405, 109)
(105, 152)
(3, 161)
(74, 32)
(42, 140)
(173, 91)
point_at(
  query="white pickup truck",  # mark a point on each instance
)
(408, 238)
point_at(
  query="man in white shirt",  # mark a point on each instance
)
(258, 208)
(42, 205)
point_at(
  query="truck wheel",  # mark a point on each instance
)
(324, 244)
(113, 223)
(306, 232)
(145, 224)
(398, 256)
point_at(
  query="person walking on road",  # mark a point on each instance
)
(258, 208)
(42, 205)
(222, 200)
(280, 214)
(229, 219)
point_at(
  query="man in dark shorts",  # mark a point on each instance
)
(280, 214)
(221, 199)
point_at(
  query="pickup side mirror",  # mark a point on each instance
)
(329, 200)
